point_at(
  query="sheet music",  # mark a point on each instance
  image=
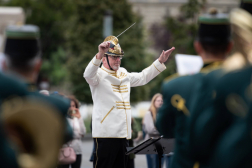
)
(188, 64)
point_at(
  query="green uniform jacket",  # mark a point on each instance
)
(9, 87)
(173, 118)
(60, 103)
(201, 110)
(228, 121)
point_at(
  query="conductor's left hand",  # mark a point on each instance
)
(165, 55)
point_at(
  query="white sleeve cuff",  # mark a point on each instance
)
(96, 62)
(160, 67)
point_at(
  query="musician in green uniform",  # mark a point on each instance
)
(213, 44)
(23, 61)
(225, 125)
(9, 87)
(21, 46)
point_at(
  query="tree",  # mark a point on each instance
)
(52, 17)
(192, 8)
(86, 35)
(183, 30)
(71, 30)
(179, 32)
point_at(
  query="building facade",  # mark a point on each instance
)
(10, 16)
(154, 11)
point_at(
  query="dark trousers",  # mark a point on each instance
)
(131, 163)
(76, 164)
(153, 161)
(110, 153)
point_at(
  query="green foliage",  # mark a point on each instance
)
(52, 17)
(71, 31)
(182, 35)
(156, 84)
(179, 32)
(192, 8)
(86, 35)
(87, 122)
(138, 121)
(183, 30)
(55, 67)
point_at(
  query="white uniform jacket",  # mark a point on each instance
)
(111, 117)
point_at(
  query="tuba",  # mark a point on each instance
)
(241, 23)
(34, 130)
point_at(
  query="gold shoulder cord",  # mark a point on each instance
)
(178, 102)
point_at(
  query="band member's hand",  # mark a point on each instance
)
(103, 48)
(165, 55)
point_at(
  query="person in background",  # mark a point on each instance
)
(79, 130)
(225, 125)
(150, 129)
(23, 60)
(144, 133)
(22, 44)
(9, 87)
(174, 118)
(134, 131)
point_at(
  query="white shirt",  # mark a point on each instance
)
(111, 117)
(149, 126)
(79, 130)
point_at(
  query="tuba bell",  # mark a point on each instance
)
(35, 131)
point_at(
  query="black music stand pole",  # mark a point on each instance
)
(159, 151)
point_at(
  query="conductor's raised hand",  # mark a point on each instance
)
(165, 55)
(103, 48)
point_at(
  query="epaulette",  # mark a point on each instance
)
(173, 76)
(207, 69)
(213, 66)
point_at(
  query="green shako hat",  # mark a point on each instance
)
(22, 42)
(214, 28)
(246, 5)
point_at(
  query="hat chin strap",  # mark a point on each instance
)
(108, 63)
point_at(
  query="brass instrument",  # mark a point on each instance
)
(36, 131)
(241, 22)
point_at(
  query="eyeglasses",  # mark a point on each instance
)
(116, 57)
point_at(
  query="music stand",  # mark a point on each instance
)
(153, 146)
